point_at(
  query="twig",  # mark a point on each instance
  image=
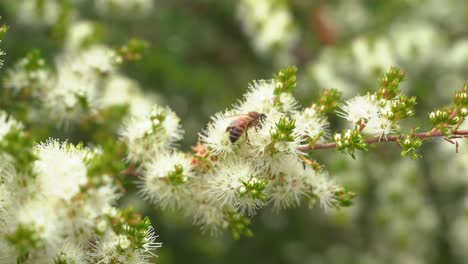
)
(379, 139)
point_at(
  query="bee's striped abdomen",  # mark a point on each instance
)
(235, 133)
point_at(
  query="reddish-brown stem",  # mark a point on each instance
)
(425, 135)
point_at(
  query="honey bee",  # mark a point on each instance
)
(242, 123)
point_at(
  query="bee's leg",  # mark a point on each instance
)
(247, 137)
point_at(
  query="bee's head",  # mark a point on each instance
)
(257, 116)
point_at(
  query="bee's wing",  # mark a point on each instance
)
(241, 122)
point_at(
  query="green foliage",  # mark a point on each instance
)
(177, 177)
(126, 222)
(284, 130)
(443, 119)
(349, 141)
(3, 30)
(24, 239)
(409, 144)
(133, 50)
(33, 60)
(239, 225)
(343, 197)
(19, 145)
(389, 85)
(328, 101)
(254, 188)
(401, 108)
(286, 80)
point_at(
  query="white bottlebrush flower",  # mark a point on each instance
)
(228, 186)
(106, 251)
(150, 134)
(19, 77)
(262, 99)
(113, 248)
(78, 35)
(70, 252)
(216, 137)
(270, 26)
(120, 90)
(96, 60)
(205, 211)
(7, 191)
(165, 177)
(61, 168)
(40, 216)
(289, 184)
(369, 110)
(124, 8)
(457, 55)
(38, 13)
(8, 124)
(417, 44)
(309, 123)
(263, 144)
(323, 187)
(100, 198)
(75, 90)
(372, 57)
(325, 72)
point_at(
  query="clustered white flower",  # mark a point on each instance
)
(50, 13)
(370, 112)
(59, 209)
(263, 166)
(415, 45)
(270, 27)
(85, 79)
(151, 134)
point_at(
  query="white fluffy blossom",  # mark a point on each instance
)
(8, 124)
(228, 185)
(147, 135)
(165, 178)
(38, 13)
(289, 184)
(270, 27)
(323, 187)
(113, 248)
(96, 60)
(40, 216)
(76, 88)
(78, 35)
(309, 123)
(19, 78)
(265, 144)
(61, 168)
(71, 253)
(262, 99)
(215, 135)
(416, 44)
(372, 57)
(120, 90)
(369, 110)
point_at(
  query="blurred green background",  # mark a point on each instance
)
(203, 54)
